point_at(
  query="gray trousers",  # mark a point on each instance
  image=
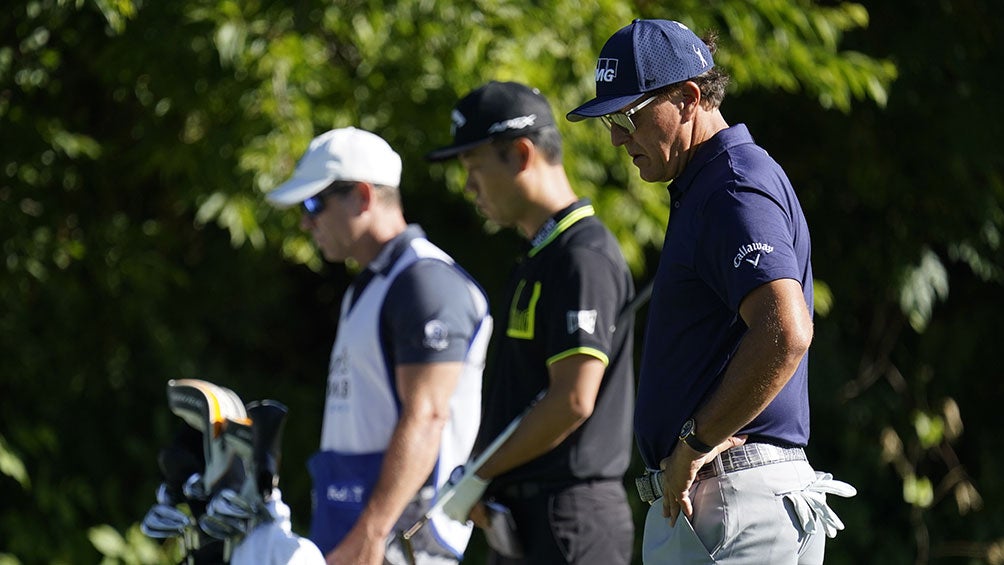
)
(748, 517)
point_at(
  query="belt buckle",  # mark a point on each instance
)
(649, 486)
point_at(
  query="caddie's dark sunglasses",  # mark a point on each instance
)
(623, 119)
(315, 204)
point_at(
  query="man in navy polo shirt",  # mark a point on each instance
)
(722, 414)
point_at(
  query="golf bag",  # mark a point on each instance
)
(219, 494)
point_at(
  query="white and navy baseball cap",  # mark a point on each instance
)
(497, 110)
(346, 154)
(641, 57)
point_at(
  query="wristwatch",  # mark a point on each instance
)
(687, 436)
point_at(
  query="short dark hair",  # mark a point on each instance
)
(339, 187)
(387, 194)
(547, 139)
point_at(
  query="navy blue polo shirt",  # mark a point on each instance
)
(429, 289)
(735, 225)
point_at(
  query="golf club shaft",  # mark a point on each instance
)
(474, 465)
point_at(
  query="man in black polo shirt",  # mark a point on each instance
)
(560, 472)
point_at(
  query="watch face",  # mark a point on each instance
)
(688, 428)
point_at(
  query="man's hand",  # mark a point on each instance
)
(479, 515)
(358, 548)
(679, 471)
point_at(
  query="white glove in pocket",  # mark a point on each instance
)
(810, 504)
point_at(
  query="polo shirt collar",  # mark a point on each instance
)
(383, 262)
(719, 143)
(393, 249)
(558, 223)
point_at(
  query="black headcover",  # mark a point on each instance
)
(269, 419)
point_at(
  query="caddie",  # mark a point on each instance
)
(404, 383)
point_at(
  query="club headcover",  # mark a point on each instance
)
(269, 420)
(239, 439)
(180, 460)
(207, 407)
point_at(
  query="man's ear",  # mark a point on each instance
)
(521, 151)
(690, 95)
(363, 194)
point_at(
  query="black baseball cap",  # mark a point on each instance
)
(497, 110)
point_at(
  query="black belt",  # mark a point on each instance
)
(746, 456)
(531, 489)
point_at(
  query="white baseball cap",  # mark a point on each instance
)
(347, 154)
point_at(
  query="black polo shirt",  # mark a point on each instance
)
(564, 297)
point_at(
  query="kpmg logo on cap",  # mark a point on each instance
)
(520, 122)
(457, 120)
(606, 70)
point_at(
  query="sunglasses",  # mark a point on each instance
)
(315, 204)
(623, 119)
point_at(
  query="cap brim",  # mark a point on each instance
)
(295, 191)
(601, 106)
(452, 151)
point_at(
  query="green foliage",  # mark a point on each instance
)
(925, 285)
(132, 549)
(918, 491)
(793, 46)
(138, 137)
(12, 466)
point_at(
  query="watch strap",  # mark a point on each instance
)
(696, 444)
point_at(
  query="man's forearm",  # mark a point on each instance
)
(777, 339)
(544, 427)
(575, 384)
(407, 463)
(756, 375)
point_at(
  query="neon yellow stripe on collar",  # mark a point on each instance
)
(563, 225)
